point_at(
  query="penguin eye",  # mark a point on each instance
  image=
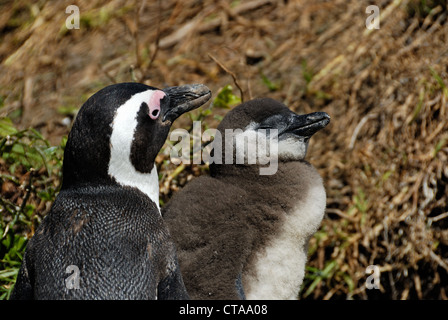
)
(153, 110)
(155, 113)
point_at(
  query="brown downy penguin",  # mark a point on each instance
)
(243, 232)
(104, 237)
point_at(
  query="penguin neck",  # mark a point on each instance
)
(127, 176)
(124, 176)
(122, 170)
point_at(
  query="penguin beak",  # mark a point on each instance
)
(183, 99)
(308, 124)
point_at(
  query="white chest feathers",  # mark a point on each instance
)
(280, 267)
(120, 165)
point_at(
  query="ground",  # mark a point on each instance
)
(383, 157)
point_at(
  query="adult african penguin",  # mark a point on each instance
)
(241, 234)
(104, 237)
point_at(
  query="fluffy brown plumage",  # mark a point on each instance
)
(222, 223)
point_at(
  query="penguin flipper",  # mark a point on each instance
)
(172, 287)
(22, 289)
(239, 287)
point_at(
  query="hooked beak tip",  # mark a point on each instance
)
(185, 98)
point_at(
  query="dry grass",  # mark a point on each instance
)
(383, 158)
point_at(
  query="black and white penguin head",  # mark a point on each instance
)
(119, 131)
(255, 121)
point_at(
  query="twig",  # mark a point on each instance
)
(439, 260)
(179, 34)
(409, 194)
(392, 285)
(252, 5)
(22, 206)
(28, 192)
(7, 205)
(229, 72)
(156, 49)
(27, 99)
(439, 217)
(249, 89)
(358, 128)
(341, 214)
(135, 34)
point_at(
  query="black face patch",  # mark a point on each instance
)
(144, 108)
(149, 137)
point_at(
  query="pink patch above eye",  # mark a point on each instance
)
(154, 104)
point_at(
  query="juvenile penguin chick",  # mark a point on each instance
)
(104, 237)
(241, 234)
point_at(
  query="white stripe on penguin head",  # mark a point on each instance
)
(123, 129)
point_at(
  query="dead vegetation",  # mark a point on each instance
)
(383, 157)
